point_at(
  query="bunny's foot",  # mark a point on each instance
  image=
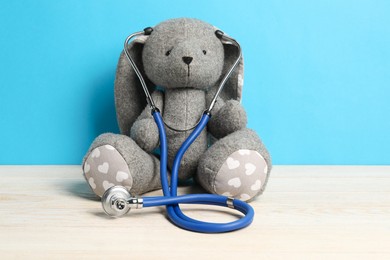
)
(236, 166)
(117, 160)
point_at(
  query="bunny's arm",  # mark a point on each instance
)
(144, 130)
(229, 117)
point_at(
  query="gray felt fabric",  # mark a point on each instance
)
(183, 38)
(183, 62)
(228, 120)
(144, 130)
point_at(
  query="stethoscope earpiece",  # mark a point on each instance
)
(219, 34)
(148, 30)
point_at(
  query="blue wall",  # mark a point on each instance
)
(317, 76)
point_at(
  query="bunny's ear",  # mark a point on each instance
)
(234, 85)
(130, 99)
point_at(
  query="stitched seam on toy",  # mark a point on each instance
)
(213, 182)
(186, 114)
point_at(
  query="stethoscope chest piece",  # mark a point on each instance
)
(115, 201)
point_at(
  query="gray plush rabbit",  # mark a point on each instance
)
(182, 61)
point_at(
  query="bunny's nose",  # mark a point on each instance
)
(187, 60)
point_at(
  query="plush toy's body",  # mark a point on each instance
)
(185, 59)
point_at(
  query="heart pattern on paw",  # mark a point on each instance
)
(227, 194)
(242, 175)
(95, 153)
(87, 167)
(107, 185)
(104, 168)
(256, 186)
(244, 197)
(232, 164)
(109, 147)
(92, 183)
(244, 152)
(121, 176)
(249, 168)
(235, 182)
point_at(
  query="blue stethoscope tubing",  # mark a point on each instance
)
(172, 201)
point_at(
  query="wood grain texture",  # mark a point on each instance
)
(307, 212)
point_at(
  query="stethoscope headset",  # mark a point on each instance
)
(117, 201)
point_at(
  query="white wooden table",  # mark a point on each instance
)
(307, 212)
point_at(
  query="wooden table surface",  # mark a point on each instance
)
(307, 212)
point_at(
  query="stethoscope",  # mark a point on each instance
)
(117, 201)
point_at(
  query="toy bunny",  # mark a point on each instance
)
(182, 61)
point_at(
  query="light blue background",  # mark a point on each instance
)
(317, 75)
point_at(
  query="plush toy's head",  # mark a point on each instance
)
(179, 53)
(183, 53)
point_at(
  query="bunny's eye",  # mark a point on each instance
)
(168, 52)
(204, 52)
